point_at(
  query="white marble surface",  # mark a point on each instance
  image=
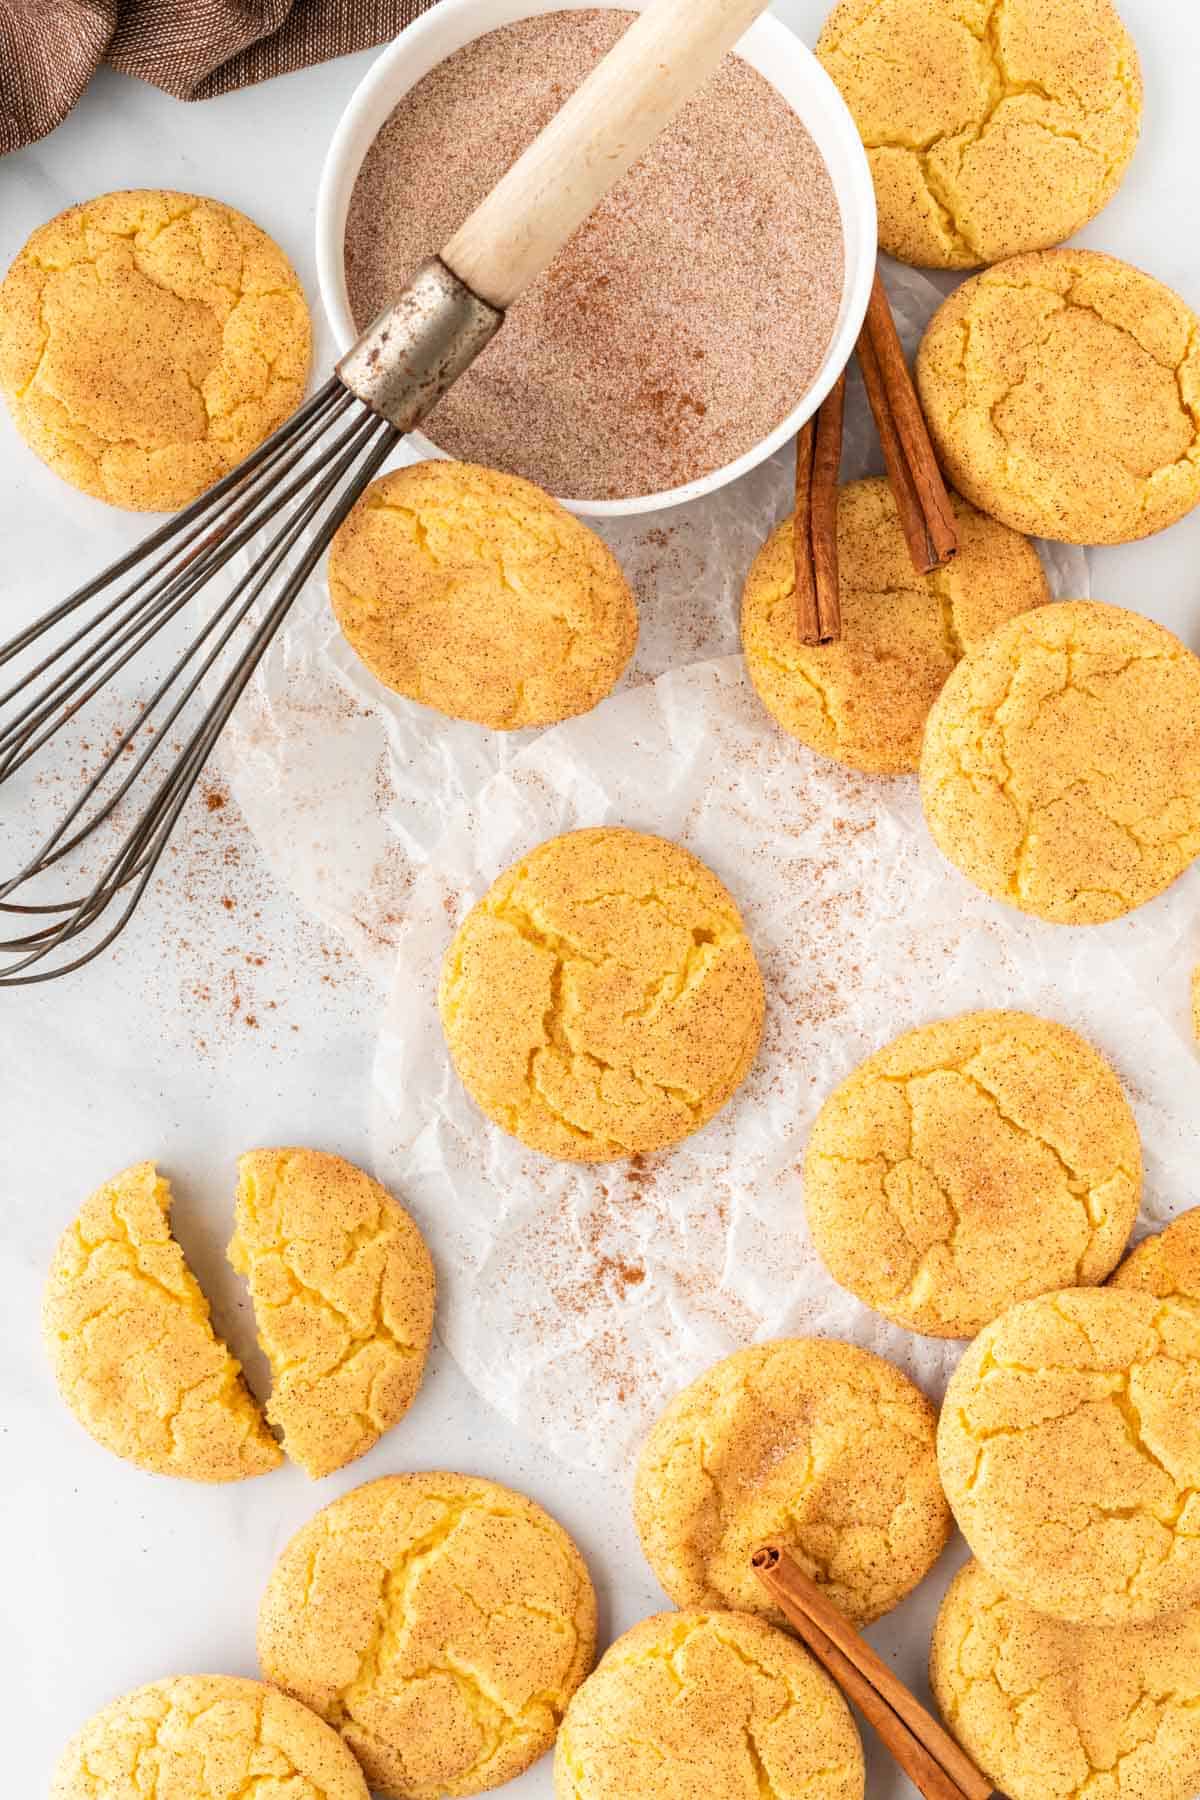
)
(111, 1577)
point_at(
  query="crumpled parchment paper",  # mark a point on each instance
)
(347, 786)
(579, 1300)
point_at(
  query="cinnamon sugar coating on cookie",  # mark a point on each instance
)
(149, 340)
(809, 1442)
(134, 1352)
(1166, 1265)
(971, 1163)
(1052, 1711)
(439, 1622)
(602, 1000)
(1061, 766)
(343, 1293)
(474, 592)
(992, 126)
(1062, 390)
(864, 700)
(712, 1703)
(207, 1737)
(1069, 1446)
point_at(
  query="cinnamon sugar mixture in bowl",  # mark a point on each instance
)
(684, 320)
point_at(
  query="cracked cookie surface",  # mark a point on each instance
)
(133, 1348)
(712, 1703)
(1052, 1711)
(992, 127)
(602, 1000)
(207, 1737)
(864, 700)
(1069, 1446)
(440, 1623)
(1166, 1265)
(969, 1164)
(1063, 393)
(476, 593)
(807, 1442)
(1061, 766)
(343, 1292)
(149, 340)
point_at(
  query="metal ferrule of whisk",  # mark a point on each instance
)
(281, 506)
(404, 362)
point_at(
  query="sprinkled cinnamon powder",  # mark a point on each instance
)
(683, 321)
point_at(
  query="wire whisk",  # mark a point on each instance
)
(322, 458)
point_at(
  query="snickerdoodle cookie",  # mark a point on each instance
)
(207, 1737)
(476, 593)
(1069, 1446)
(133, 1348)
(148, 342)
(1166, 1265)
(1050, 1711)
(971, 1163)
(602, 1000)
(864, 700)
(440, 1622)
(991, 126)
(712, 1703)
(1061, 767)
(808, 1442)
(343, 1292)
(1063, 393)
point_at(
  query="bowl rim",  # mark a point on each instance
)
(769, 42)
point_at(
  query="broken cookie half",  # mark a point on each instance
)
(343, 1290)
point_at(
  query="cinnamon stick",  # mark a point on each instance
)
(814, 525)
(926, 515)
(930, 1757)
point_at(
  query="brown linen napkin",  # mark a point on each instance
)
(49, 49)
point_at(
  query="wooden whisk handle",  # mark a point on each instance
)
(666, 55)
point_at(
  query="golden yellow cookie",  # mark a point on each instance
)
(1069, 1446)
(1063, 393)
(343, 1291)
(1051, 1711)
(1168, 1264)
(207, 1737)
(808, 1442)
(602, 999)
(476, 593)
(1061, 768)
(148, 342)
(864, 700)
(440, 1622)
(133, 1348)
(712, 1704)
(991, 126)
(969, 1164)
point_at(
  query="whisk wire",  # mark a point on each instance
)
(153, 604)
(57, 845)
(287, 482)
(179, 522)
(355, 435)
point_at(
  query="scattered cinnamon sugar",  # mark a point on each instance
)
(203, 945)
(685, 318)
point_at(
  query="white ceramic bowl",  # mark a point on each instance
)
(768, 46)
